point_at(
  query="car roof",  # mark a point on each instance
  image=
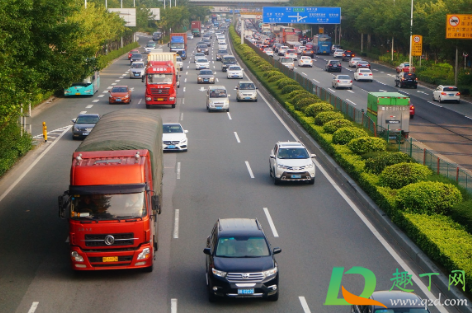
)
(385, 297)
(217, 87)
(239, 226)
(285, 144)
(168, 124)
(88, 114)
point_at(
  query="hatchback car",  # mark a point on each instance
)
(338, 53)
(217, 99)
(234, 71)
(240, 261)
(174, 137)
(305, 61)
(119, 94)
(291, 161)
(394, 301)
(220, 54)
(136, 57)
(137, 70)
(246, 91)
(405, 79)
(83, 125)
(353, 62)
(333, 66)
(201, 63)
(341, 81)
(347, 55)
(363, 74)
(134, 51)
(447, 93)
(206, 77)
(228, 60)
(288, 62)
(203, 49)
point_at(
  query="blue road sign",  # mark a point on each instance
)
(301, 15)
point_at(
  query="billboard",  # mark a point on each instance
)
(129, 15)
(302, 15)
(156, 14)
(459, 26)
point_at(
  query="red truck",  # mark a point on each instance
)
(115, 193)
(196, 28)
(161, 79)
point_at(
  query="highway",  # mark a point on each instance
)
(225, 173)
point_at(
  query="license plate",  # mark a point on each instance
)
(451, 94)
(296, 176)
(136, 74)
(118, 100)
(219, 108)
(86, 133)
(205, 80)
(245, 291)
(110, 259)
(77, 93)
(171, 146)
(160, 99)
(247, 98)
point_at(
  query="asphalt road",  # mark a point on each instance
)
(225, 173)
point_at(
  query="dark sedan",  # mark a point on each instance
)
(83, 125)
(136, 57)
(220, 54)
(207, 41)
(206, 77)
(203, 49)
(347, 55)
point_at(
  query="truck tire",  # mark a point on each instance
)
(149, 269)
(155, 243)
(148, 106)
(173, 106)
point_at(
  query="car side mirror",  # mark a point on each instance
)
(276, 250)
(73, 120)
(272, 156)
(207, 251)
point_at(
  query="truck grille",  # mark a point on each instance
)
(245, 277)
(160, 91)
(95, 240)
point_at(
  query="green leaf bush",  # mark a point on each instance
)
(399, 175)
(294, 95)
(286, 82)
(376, 163)
(364, 145)
(265, 66)
(332, 126)
(344, 135)
(275, 78)
(325, 117)
(303, 102)
(290, 88)
(271, 73)
(314, 109)
(428, 197)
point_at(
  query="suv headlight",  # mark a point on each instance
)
(282, 166)
(218, 273)
(270, 272)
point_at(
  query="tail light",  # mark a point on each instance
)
(443, 93)
(412, 107)
(458, 94)
(370, 74)
(351, 81)
(344, 55)
(331, 65)
(338, 81)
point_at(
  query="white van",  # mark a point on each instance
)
(217, 99)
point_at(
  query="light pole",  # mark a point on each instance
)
(410, 67)
(85, 3)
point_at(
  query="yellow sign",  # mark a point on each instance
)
(250, 13)
(320, 30)
(459, 26)
(417, 45)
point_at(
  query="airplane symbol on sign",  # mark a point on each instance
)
(299, 18)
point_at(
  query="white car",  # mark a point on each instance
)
(447, 93)
(291, 53)
(201, 63)
(338, 53)
(363, 74)
(269, 51)
(220, 36)
(222, 46)
(217, 99)
(189, 36)
(282, 50)
(246, 91)
(221, 41)
(137, 70)
(180, 63)
(198, 55)
(291, 161)
(234, 71)
(288, 62)
(341, 81)
(305, 61)
(300, 49)
(353, 62)
(174, 137)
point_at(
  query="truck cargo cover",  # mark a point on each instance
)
(131, 129)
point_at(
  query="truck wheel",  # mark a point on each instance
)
(148, 106)
(173, 106)
(149, 269)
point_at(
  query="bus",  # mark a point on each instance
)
(322, 44)
(87, 87)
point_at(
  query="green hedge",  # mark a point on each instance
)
(377, 162)
(325, 117)
(286, 82)
(315, 109)
(334, 125)
(104, 60)
(13, 144)
(344, 135)
(364, 145)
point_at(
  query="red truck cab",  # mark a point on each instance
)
(161, 84)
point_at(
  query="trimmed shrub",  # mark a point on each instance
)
(332, 126)
(285, 82)
(269, 74)
(275, 78)
(377, 163)
(343, 135)
(294, 95)
(462, 213)
(428, 197)
(314, 109)
(302, 102)
(367, 144)
(325, 117)
(265, 66)
(290, 88)
(399, 175)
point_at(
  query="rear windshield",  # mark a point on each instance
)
(451, 89)
(286, 60)
(229, 60)
(364, 71)
(344, 77)
(291, 51)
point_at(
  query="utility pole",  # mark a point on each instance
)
(410, 67)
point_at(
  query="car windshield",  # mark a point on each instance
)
(356, 59)
(199, 54)
(151, 44)
(343, 77)
(154, 79)
(363, 62)
(108, 206)
(174, 128)
(292, 153)
(87, 120)
(402, 310)
(222, 51)
(242, 247)
(206, 72)
(451, 89)
(137, 56)
(179, 59)
(306, 58)
(202, 60)
(234, 68)
(229, 60)
(247, 86)
(335, 62)
(364, 71)
(339, 50)
(137, 65)
(119, 89)
(218, 93)
(286, 60)
(202, 46)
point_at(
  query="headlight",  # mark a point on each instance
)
(145, 254)
(282, 166)
(199, 78)
(218, 273)
(171, 98)
(183, 140)
(77, 257)
(270, 272)
(148, 98)
(77, 129)
(212, 79)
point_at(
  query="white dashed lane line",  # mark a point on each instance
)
(113, 84)
(83, 112)
(305, 307)
(176, 225)
(89, 106)
(181, 116)
(139, 102)
(249, 169)
(271, 223)
(101, 96)
(237, 137)
(33, 307)
(229, 115)
(95, 100)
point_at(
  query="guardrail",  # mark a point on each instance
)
(410, 146)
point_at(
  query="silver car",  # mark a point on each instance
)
(341, 81)
(137, 70)
(206, 77)
(83, 125)
(201, 63)
(217, 99)
(180, 63)
(288, 62)
(246, 91)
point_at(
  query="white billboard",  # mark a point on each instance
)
(156, 14)
(129, 15)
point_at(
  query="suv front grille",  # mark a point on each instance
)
(245, 277)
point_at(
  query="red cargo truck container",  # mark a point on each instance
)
(196, 28)
(115, 193)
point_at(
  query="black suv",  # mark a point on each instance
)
(333, 66)
(405, 79)
(240, 262)
(227, 60)
(347, 55)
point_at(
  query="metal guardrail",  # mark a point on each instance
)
(410, 146)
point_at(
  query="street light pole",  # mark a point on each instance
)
(85, 3)
(410, 67)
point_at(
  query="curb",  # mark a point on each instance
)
(387, 228)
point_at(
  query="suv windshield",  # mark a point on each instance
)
(247, 86)
(137, 65)
(229, 60)
(108, 206)
(242, 247)
(218, 93)
(292, 153)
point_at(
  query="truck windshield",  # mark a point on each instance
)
(108, 206)
(154, 79)
(322, 39)
(177, 46)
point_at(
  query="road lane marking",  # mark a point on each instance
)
(173, 305)
(381, 90)
(185, 80)
(183, 101)
(83, 112)
(249, 169)
(375, 70)
(350, 91)
(423, 92)
(113, 84)
(470, 118)
(101, 96)
(351, 101)
(271, 222)
(95, 100)
(139, 102)
(109, 87)
(89, 106)
(217, 80)
(176, 225)
(33, 307)
(435, 104)
(305, 307)
(229, 115)
(181, 116)
(304, 73)
(381, 83)
(178, 170)
(117, 80)
(186, 73)
(237, 137)
(390, 75)
(331, 90)
(66, 129)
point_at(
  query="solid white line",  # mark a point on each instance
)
(316, 81)
(381, 90)
(33, 307)
(249, 169)
(304, 73)
(89, 106)
(390, 75)
(229, 115)
(237, 137)
(83, 112)
(178, 170)
(305, 307)
(173, 305)
(181, 116)
(470, 118)
(33, 164)
(351, 101)
(176, 224)
(271, 222)
(139, 102)
(331, 90)
(369, 225)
